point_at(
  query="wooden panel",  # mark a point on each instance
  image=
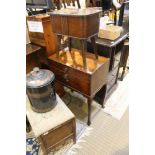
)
(59, 89)
(46, 39)
(73, 78)
(31, 62)
(76, 27)
(51, 40)
(99, 78)
(55, 136)
(56, 24)
(92, 25)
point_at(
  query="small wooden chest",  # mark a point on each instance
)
(41, 32)
(78, 23)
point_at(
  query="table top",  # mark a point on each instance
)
(112, 43)
(43, 122)
(76, 12)
(75, 60)
(31, 48)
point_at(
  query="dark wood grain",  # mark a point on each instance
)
(70, 72)
(76, 26)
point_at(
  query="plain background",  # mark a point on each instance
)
(13, 77)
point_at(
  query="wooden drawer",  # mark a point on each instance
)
(71, 77)
(59, 134)
(112, 74)
(70, 72)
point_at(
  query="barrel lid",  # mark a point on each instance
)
(39, 77)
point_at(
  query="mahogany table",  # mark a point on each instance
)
(69, 71)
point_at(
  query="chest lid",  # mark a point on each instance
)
(39, 77)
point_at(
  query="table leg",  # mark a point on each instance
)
(89, 111)
(93, 41)
(84, 48)
(74, 127)
(70, 43)
(78, 3)
(124, 60)
(101, 95)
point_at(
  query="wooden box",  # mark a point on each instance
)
(57, 136)
(54, 127)
(78, 23)
(70, 72)
(41, 32)
(110, 32)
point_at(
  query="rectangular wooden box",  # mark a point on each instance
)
(44, 35)
(69, 71)
(76, 23)
(110, 32)
(57, 136)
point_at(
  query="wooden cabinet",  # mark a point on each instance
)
(69, 71)
(41, 32)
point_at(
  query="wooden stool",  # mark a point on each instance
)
(54, 127)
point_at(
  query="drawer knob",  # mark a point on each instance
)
(66, 77)
(66, 69)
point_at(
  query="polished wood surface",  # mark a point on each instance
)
(46, 38)
(68, 23)
(69, 71)
(31, 48)
(75, 61)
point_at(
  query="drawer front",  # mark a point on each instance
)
(57, 135)
(71, 77)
